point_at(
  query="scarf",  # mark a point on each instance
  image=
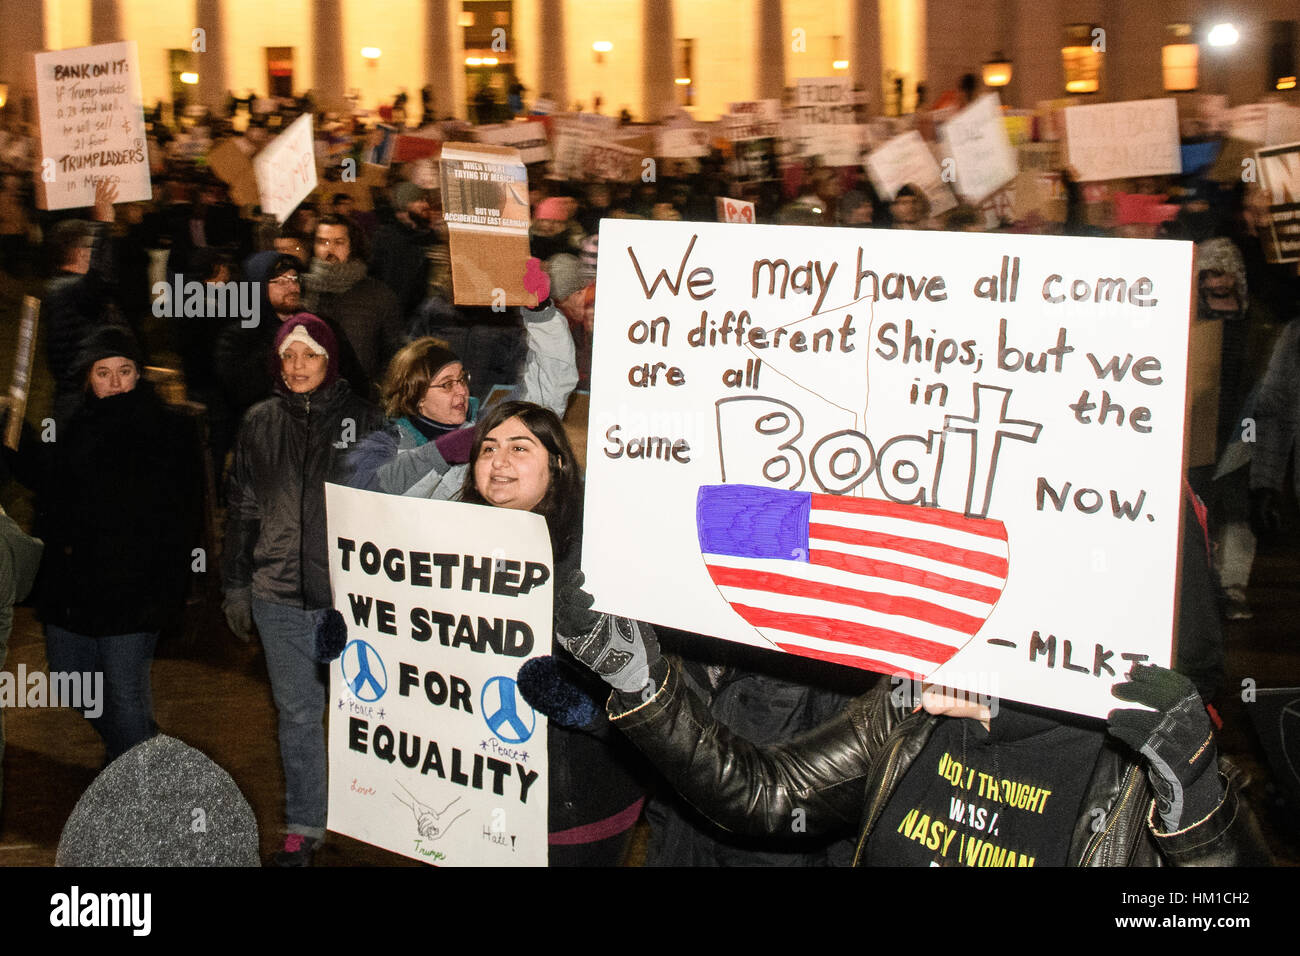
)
(332, 278)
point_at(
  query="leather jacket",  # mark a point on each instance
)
(842, 774)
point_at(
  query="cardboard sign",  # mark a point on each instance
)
(233, 167)
(942, 455)
(1279, 177)
(751, 119)
(735, 210)
(585, 154)
(485, 205)
(1122, 140)
(433, 754)
(983, 157)
(907, 160)
(1268, 124)
(91, 125)
(824, 101)
(411, 147)
(529, 138)
(286, 169)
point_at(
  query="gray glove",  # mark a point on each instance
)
(1176, 738)
(237, 605)
(620, 651)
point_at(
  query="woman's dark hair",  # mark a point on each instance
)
(561, 506)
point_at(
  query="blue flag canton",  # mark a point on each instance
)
(746, 521)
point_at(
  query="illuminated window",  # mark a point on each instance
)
(1179, 57)
(1081, 57)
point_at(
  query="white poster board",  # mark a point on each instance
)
(432, 752)
(681, 142)
(1121, 140)
(983, 157)
(907, 160)
(914, 483)
(529, 138)
(91, 125)
(286, 169)
(751, 119)
(824, 101)
(735, 210)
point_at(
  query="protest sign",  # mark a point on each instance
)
(1121, 140)
(839, 145)
(433, 754)
(485, 205)
(907, 161)
(286, 169)
(233, 167)
(751, 119)
(585, 153)
(1279, 177)
(944, 455)
(824, 101)
(982, 155)
(735, 210)
(682, 142)
(409, 147)
(91, 125)
(1268, 124)
(529, 138)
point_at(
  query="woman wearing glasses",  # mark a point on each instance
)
(423, 450)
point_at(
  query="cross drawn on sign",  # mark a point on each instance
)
(16, 400)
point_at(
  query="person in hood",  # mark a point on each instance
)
(275, 561)
(403, 247)
(113, 505)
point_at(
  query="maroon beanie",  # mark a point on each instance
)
(319, 332)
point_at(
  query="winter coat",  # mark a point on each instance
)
(114, 505)
(842, 774)
(288, 447)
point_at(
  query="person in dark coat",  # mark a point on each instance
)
(275, 560)
(112, 506)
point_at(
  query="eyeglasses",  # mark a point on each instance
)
(450, 384)
(286, 280)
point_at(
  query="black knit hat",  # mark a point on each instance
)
(107, 342)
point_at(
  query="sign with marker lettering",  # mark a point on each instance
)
(953, 457)
(433, 753)
(286, 169)
(91, 125)
(1121, 140)
(977, 141)
(1279, 177)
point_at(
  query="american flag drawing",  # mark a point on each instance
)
(871, 584)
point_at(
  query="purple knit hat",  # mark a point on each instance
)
(320, 333)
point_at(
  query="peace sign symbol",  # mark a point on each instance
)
(505, 712)
(363, 671)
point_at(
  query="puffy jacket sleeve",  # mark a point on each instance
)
(379, 463)
(746, 788)
(1228, 836)
(551, 367)
(243, 516)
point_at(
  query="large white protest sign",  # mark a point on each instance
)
(947, 455)
(824, 101)
(1120, 140)
(682, 142)
(907, 161)
(286, 169)
(983, 157)
(433, 753)
(751, 119)
(91, 125)
(1279, 177)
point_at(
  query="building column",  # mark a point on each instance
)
(658, 42)
(23, 34)
(327, 56)
(551, 38)
(214, 78)
(105, 21)
(865, 61)
(770, 77)
(440, 58)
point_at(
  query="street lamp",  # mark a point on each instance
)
(997, 71)
(1223, 34)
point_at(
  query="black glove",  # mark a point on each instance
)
(1265, 513)
(237, 605)
(619, 650)
(1177, 739)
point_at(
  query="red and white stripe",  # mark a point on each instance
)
(888, 587)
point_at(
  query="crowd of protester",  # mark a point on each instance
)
(358, 322)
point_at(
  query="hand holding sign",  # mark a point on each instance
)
(105, 197)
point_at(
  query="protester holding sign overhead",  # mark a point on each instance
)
(275, 561)
(521, 459)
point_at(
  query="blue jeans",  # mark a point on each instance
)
(125, 660)
(298, 685)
